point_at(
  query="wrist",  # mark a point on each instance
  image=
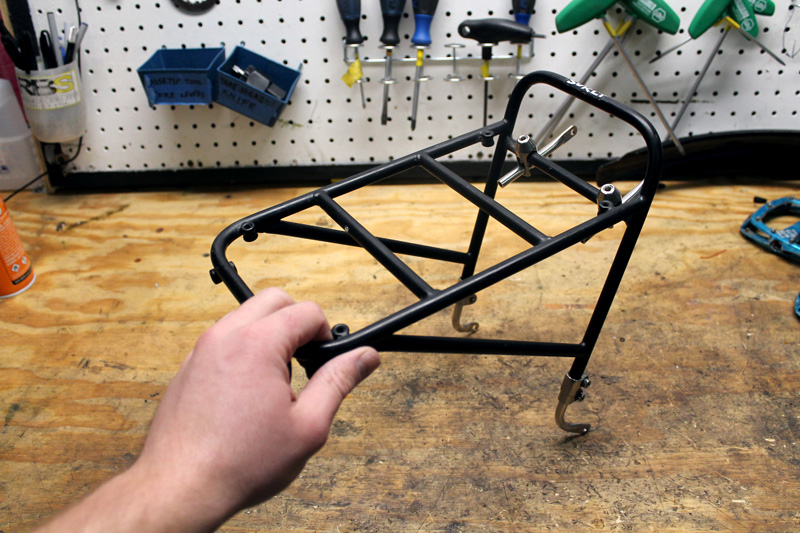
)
(164, 500)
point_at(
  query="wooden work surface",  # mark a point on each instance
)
(694, 403)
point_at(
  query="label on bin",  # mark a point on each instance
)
(243, 96)
(169, 88)
(50, 92)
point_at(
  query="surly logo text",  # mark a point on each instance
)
(586, 89)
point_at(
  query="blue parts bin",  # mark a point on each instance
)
(237, 94)
(184, 76)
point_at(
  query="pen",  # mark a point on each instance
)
(51, 22)
(46, 45)
(69, 54)
(81, 33)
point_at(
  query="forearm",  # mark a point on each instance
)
(138, 500)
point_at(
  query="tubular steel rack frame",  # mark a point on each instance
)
(382, 334)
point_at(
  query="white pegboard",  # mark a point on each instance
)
(325, 123)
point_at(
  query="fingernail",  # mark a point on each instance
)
(368, 362)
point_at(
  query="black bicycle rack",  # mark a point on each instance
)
(613, 209)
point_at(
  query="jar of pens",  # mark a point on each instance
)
(49, 80)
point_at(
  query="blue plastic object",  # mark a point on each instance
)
(797, 306)
(236, 94)
(784, 242)
(423, 16)
(183, 76)
(522, 11)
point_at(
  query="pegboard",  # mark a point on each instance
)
(325, 124)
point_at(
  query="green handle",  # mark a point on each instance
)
(763, 7)
(742, 12)
(654, 12)
(708, 14)
(579, 12)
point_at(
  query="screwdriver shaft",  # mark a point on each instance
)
(387, 79)
(690, 95)
(417, 80)
(565, 105)
(639, 79)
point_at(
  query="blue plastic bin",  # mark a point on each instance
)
(181, 76)
(247, 100)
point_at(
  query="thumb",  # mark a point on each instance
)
(328, 387)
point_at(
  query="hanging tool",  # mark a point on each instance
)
(489, 32)
(392, 11)
(623, 30)
(653, 12)
(454, 76)
(350, 11)
(701, 23)
(423, 16)
(522, 10)
(642, 84)
(704, 19)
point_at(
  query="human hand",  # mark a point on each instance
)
(230, 431)
(230, 421)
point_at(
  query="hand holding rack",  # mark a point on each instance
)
(613, 209)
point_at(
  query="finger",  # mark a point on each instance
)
(328, 387)
(262, 304)
(289, 328)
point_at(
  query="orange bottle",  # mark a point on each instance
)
(16, 272)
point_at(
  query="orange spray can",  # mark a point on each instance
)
(16, 272)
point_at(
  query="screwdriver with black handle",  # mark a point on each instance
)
(392, 11)
(423, 16)
(489, 32)
(350, 11)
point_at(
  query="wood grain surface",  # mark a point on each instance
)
(694, 402)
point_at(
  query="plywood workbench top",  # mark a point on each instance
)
(694, 403)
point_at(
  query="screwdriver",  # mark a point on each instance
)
(489, 32)
(392, 11)
(522, 10)
(423, 16)
(350, 11)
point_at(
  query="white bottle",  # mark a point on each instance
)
(19, 161)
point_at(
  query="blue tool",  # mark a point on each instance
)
(423, 16)
(784, 242)
(523, 10)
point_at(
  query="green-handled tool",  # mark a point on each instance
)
(745, 16)
(622, 31)
(656, 13)
(579, 12)
(700, 24)
(708, 14)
